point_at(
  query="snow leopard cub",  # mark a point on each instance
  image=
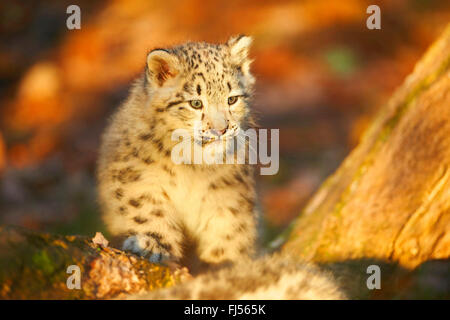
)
(192, 214)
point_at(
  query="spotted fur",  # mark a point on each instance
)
(270, 278)
(192, 214)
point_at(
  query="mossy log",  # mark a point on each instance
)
(390, 199)
(34, 265)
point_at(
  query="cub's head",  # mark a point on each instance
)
(202, 88)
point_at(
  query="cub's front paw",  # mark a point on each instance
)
(148, 247)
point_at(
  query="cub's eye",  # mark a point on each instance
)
(232, 100)
(196, 104)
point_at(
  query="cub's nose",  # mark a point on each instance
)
(220, 132)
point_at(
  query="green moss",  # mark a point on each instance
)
(42, 261)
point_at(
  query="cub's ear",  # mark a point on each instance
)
(239, 48)
(162, 66)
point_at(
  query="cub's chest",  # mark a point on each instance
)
(187, 188)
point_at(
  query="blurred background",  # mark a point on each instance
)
(321, 78)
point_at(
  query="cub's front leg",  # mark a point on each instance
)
(152, 232)
(146, 216)
(152, 246)
(228, 232)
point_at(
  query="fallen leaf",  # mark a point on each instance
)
(100, 240)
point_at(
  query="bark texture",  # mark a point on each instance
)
(390, 199)
(34, 266)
